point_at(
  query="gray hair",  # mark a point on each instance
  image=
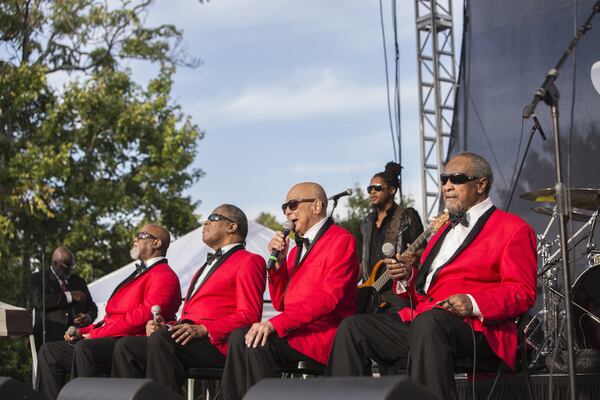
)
(481, 168)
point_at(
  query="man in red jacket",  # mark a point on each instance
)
(226, 293)
(89, 349)
(477, 275)
(314, 290)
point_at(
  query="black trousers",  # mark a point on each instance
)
(59, 360)
(158, 357)
(246, 365)
(434, 339)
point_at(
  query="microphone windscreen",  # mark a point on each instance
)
(72, 331)
(388, 250)
(288, 226)
(349, 191)
(155, 309)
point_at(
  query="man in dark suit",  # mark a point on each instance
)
(477, 275)
(88, 352)
(226, 293)
(315, 288)
(66, 299)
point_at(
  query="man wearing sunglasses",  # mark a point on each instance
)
(65, 295)
(314, 288)
(88, 351)
(226, 293)
(477, 275)
(387, 223)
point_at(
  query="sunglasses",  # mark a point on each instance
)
(214, 217)
(457, 178)
(66, 266)
(293, 204)
(145, 235)
(377, 187)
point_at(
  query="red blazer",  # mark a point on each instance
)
(128, 309)
(318, 294)
(230, 297)
(497, 266)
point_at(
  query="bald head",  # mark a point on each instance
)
(310, 190)
(63, 255)
(309, 206)
(161, 234)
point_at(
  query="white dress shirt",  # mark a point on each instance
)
(67, 293)
(455, 237)
(311, 234)
(209, 267)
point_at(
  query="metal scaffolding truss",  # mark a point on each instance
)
(437, 87)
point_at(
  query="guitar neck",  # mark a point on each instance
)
(384, 278)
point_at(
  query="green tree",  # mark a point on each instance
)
(87, 163)
(268, 220)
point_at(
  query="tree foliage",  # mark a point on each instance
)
(268, 220)
(86, 162)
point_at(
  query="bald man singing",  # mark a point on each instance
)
(88, 352)
(314, 289)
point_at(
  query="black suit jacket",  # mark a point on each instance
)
(59, 313)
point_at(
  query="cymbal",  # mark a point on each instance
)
(576, 215)
(586, 198)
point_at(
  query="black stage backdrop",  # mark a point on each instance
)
(508, 47)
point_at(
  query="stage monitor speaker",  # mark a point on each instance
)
(347, 388)
(115, 389)
(13, 389)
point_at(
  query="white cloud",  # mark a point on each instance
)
(305, 97)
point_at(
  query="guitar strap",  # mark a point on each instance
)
(396, 228)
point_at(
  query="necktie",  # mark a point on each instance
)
(63, 285)
(140, 267)
(459, 217)
(210, 257)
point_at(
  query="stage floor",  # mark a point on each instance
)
(513, 386)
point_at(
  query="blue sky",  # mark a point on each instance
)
(292, 91)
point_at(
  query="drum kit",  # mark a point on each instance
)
(545, 332)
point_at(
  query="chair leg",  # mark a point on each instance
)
(190, 388)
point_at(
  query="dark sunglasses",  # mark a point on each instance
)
(377, 187)
(214, 217)
(457, 178)
(293, 204)
(145, 235)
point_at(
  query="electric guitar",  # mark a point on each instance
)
(374, 285)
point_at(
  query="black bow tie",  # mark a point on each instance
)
(140, 267)
(210, 257)
(459, 217)
(300, 241)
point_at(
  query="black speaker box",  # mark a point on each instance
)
(115, 389)
(13, 389)
(347, 388)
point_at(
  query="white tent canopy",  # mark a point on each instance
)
(185, 256)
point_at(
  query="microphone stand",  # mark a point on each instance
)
(335, 203)
(536, 127)
(549, 93)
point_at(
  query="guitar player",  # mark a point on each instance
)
(388, 223)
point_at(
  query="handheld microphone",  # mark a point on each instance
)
(155, 312)
(389, 250)
(288, 226)
(72, 331)
(347, 192)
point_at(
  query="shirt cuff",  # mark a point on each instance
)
(476, 310)
(69, 297)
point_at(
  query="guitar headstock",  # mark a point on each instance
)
(439, 221)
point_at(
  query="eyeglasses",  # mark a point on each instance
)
(145, 235)
(293, 204)
(66, 266)
(457, 178)
(214, 217)
(377, 187)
